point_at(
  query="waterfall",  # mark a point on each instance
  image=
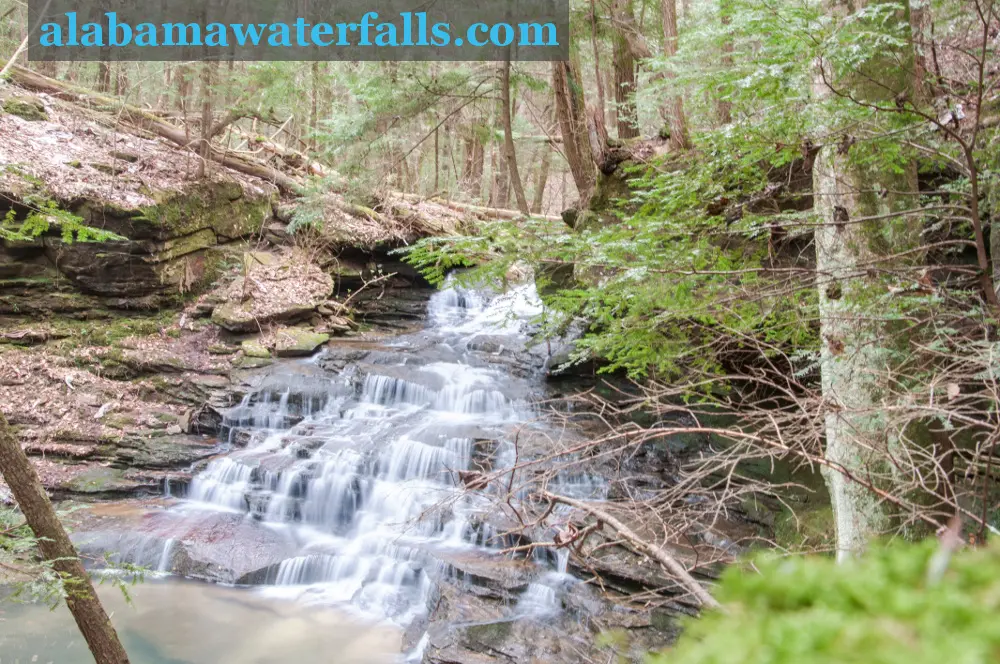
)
(366, 471)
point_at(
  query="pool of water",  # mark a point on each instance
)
(176, 622)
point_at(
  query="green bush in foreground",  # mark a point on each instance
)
(879, 610)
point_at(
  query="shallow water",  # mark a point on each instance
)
(176, 622)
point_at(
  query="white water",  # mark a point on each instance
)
(362, 470)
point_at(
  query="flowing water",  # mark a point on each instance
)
(351, 491)
(173, 622)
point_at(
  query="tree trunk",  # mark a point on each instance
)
(205, 148)
(46, 68)
(508, 141)
(674, 107)
(183, 76)
(543, 178)
(55, 546)
(314, 106)
(624, 67)
(723, 107)
(103, 76)
(121, 80)
(571, 116)
(601, 101)
(856, 361)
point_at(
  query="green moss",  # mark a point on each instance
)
(251, 362)
(896, 605)
(119, 421)
(608, 190)
(491, 635)
(810, 528)
(14, 169)
(26, 108)
(297, 341)
(254, 348)
(220, 349)
(108, 169)
(219, 206)
(110, 331)
(96, 480)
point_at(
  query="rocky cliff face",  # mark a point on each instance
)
(176, 228)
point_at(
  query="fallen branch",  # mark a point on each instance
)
(654, 552)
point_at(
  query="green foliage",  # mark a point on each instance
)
(883, 609)
(45, 216)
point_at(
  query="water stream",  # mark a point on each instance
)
(351, 489)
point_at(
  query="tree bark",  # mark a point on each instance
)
(723, 107)
(601, 101)
(55, 546)
(571, 116)
(508, 140)
(538, 199)
(674, 107)
(103, 76)
(205, 147)
(314, 106)
(624, 67)
(856, 358)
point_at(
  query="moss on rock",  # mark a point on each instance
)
(26, 108)
(217, 205)
(254, 348)
(297, 341)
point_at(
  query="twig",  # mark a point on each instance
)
(654, 552)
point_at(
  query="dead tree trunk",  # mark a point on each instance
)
(55, 546)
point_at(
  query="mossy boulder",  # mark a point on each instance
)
(297, 341)
(254, 348)
(26, 108)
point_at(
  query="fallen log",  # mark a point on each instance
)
(658, 554)
(481, 211)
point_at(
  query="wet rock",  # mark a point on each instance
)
(297, 342)
(103, 481)
(214, 546)
(470, 630)
(246, 362)
(174, 450)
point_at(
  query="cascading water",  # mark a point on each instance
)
(365, 472)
